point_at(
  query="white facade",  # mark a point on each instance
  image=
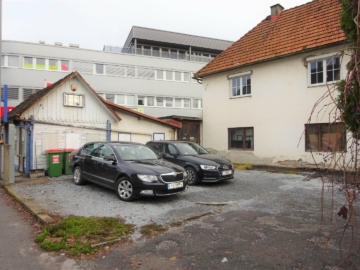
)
(278, 108)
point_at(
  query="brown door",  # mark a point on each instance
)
(190, 132)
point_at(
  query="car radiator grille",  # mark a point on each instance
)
(170, 177)
(225, 167)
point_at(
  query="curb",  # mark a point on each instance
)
(31, 207)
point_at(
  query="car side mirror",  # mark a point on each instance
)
(110, 158)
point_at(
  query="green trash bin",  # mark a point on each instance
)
(55, 162)
(67, 151)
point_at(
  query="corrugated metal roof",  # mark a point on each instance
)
(176, 38)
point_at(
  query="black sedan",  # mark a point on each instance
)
(200, 165)
(131, 169)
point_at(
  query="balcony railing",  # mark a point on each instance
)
(157, 53)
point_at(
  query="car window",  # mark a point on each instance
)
(170, 149)
(105, 150)
(135, 152)
(88, 149)
(186, 149)
(198, 148)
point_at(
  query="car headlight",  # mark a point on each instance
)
(147, 177)
(207, 167)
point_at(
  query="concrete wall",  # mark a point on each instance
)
(278, 109)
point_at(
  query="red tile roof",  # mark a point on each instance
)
(171, 123)
(314, 24)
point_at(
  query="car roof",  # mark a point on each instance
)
(116, 142)
(170, 141)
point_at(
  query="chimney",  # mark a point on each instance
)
(58, 43)
(72, 45)
(276, 10)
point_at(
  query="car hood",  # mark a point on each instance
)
(154, 166)
(208, 159)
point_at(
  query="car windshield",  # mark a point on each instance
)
(198, 148)
(134, 152)
(186, 149)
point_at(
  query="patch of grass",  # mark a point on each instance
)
(176, 224)
(77, 234)
(243, 167)
(284, 172)
(152, 229)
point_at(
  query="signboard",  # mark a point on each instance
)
(8, 110)
(55, 159)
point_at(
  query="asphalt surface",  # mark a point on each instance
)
(270, 221)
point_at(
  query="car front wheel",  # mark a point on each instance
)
(192, 177)
(124, 189)
(78, 177)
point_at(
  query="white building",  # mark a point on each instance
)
(265, 87)
(155, 78)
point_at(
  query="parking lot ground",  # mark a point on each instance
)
(268, 221)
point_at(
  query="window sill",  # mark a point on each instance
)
(321, 84)
(245, 96)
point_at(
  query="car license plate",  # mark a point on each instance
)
(175, 185)
(226, 172)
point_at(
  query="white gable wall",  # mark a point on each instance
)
(278, 109)
(51, 108)
(141, 130)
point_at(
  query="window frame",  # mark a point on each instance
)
(324, 58)
(66, 102)
(239, 76)
(319, 138)
(244, 141)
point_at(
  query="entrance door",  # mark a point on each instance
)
(190, 131)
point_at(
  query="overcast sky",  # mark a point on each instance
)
(95, 23)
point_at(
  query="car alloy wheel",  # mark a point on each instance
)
(125, 189)
(78, 178)
(191, 176)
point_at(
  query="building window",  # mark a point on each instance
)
(186, 77)
(160, 101)
(197, 103)
(325, 137)
(40, 63)
(53, 64)
(74, 100)
(160, 74)
(178, 76)
(99, 68)
(110, 97)
(28, 62)
(28, 92)
(186, 103)
(141, 100)
(3, 60)
(240, 85)
(150, 101)
(120, 99)
(323, 69)
(241, 138)
(13, 93)
(13, 61)
(169, 75)
(130, 100)
(64, 65)
(178, 102)
(169, 102)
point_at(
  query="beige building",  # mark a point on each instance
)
(266, 98)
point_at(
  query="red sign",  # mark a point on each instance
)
(2, 110)
(48, 83)
(55, 159)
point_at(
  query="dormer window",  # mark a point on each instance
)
(73, 100)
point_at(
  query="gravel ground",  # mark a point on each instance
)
(249, 190)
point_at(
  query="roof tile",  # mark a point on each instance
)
(314, 24)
